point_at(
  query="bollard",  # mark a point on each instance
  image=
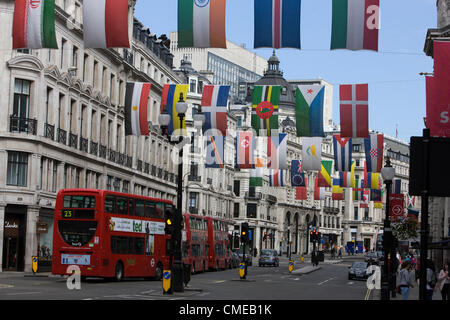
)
(167, 282)
(291, 266)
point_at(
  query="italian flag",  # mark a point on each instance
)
(105, 24)
(201, 23)
(355, 24)
(34, 24)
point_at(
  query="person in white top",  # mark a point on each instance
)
(444, 282)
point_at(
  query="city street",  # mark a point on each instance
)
(329, 282)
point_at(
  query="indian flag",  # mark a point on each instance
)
(105, 24)
(34, 24)
(201, 23)
(256, 175)
(355, 24)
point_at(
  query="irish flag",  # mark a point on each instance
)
(355, 24)
(201, 23)
(105, 24)
(34, 24)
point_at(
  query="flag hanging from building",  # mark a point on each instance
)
(374, 152)
(136, 108)
(245, 149)
(319, 193)
(375, 195)
(396, 205)
(337, 191)
(276, 178)
(215, 147)
(256, 174)
(378, 205)
(325, 174)
(355, 24)
(297, 174)
(277, 151)
(201, 23)
(105, 24)
(365, 199)
(372, 180)
(342, 153)
(358, 189)
(311, 153)
(354, 110)
(34, 24)
(265, 109)
(277, 24)
(309, 110)
(214, 107)
(413, 214)
(169, 98)
(301, 193)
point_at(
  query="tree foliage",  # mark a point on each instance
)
(405, 229)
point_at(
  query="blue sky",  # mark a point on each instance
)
(396, 90)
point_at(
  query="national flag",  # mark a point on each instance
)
(365, 199)
(438, 95)
(265, 109)
(378, 205)
(277, 151)
(397, 186)
(374, 152)
(342, 153)
(337, 191)
(309, 110)
(277, 24)
(411, 201)
(297, 174)
(354, 110)
(372, 180)
(311, 153)
(355, 24)
(325, 174)
(201, 23)
(169, 98)
(375, 195)
(256, 174)
(245, 149)
(34, 24)
(136, 108)
(358, 189)
(105, 24)
(301, 193)
(396, 205)
(276, 178)
(215, 147)
(319, 193)
(214, 107)
(345, 179)
(413, 214)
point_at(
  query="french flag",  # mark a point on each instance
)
(214, 107)
(277, 24)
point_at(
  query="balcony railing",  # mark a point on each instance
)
(160, 173)
(62, 136)
(194, 178)
(84, 144)
(112, 155)
(253, 195)
(49, 132)
(166, 175)
(94, 148)
(102, 151)
(18, 124)
(73, 140)
(272, 199)
(139, 165)
(153, 171)
(129, 162)
(146, 167)
(121, 159)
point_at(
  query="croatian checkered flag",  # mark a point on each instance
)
(374, 152)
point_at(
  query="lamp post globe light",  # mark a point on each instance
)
(177, 268)
(387, 173)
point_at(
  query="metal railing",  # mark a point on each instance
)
(49, 131)
(26, 125)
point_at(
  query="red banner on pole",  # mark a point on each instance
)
(396, 205)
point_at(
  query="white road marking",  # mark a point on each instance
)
(325, 281)
(19, 293)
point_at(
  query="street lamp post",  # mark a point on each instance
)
(176, 238)
(387, 173)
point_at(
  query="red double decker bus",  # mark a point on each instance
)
(205, 243)
(109, 234)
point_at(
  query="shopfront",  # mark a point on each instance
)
(44, 230)
(14, 239)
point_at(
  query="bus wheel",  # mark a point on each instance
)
(118, 275)
(159, 271)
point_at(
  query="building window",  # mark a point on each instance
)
(236, 210)
(356, 213)
(192, 85)
(17, 169)
(251, 210)
(109, 182)
(21, 98)
(193, 200)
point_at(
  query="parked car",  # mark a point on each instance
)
(373, 257)
(248, 256)
(269, 257)
(358, 270)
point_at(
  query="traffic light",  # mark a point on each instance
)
(169, 219)
(244, 232)
(312, 234)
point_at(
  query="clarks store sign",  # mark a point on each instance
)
(9, 225)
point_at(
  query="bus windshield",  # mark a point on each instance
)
(82, 202)
(77, 233)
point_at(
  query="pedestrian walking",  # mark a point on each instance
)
(405, 280)
(431, 280)
(444, 282)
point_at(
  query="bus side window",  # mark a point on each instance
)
(122, 206)
(140, 208)
(131, 207)
(160, 210)
(150, 211)
(110, 205)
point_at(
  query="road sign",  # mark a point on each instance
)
(167, 279)
(34, 264)
(242, 270)
(291, 266)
